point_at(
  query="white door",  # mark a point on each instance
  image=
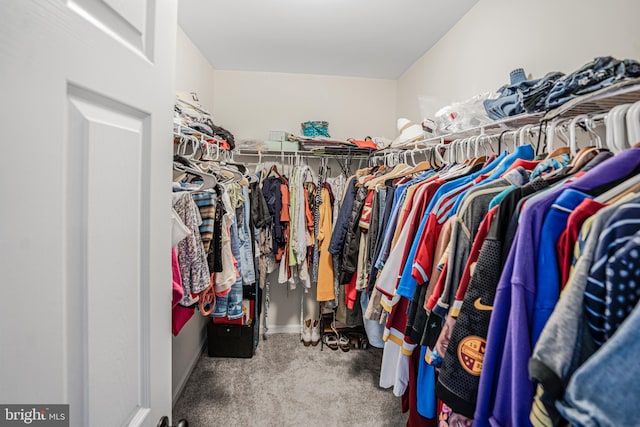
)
(86, 108)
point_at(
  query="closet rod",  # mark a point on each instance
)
(303, 154)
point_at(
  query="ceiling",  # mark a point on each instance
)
(361, 38)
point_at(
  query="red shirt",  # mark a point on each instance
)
(569, 237)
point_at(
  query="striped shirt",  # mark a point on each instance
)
(620, 228)
(623, 284)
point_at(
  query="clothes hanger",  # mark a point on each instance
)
(573, 140)
(591, 126)
(189, 142)
(398, 171)
(419, 167)
(633, 124)
(523, 132)
(239, 170)
(465, 151)
(274, 169)
(219, 167)
(551, 137)
(470, 150)
(437, 154)
(617, 138)
(461, 149)
(554, 152)
(582, 156)
(625, 187)
(208, 181)
(479, 159)
(514, 135)
(454, 149)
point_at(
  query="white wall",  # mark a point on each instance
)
(250, 104)
(496, 36)
(193, 74)
(193, 71)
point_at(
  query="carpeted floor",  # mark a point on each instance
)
(288, 384)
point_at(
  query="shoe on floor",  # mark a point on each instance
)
(306, 333)
(331, 341)
(315, 333)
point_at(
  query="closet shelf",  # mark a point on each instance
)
(494, 127)
(625, 92)
(178, 129)
(193, 105)
(601, 101)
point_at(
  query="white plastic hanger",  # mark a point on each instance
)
(471, 144)
(633, 124)
(522, 133)
(208, 181)
(617, 128)
(551, 135)
(514, 136)
(573, 140)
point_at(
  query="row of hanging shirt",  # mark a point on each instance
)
(212, 243)
(470, 272)
(293, 218)
(294, 208)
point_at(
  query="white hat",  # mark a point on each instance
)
(402, 124)
(409, 132)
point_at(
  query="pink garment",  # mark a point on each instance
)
(351, 293)
(178, 291)
(179, 315)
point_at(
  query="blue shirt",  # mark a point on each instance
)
(406, 280)
(398, 199)
(548, 280)
(523, 152)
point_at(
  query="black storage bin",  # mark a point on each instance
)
(230, 340)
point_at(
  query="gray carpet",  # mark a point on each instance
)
(287, 384)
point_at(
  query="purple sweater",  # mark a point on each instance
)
(505, 393)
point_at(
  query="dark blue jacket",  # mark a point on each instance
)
(273, 197)
(342, 223)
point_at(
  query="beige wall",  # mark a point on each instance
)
(193, 74)
(250, 104)
(496, 36)
(475, 56)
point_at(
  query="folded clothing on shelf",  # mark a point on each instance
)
(555, 88)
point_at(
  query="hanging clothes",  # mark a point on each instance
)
(476, 286)
(227, 277)
(194, 269)
(451, 205)
(325, 289)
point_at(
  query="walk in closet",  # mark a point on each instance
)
(354, 213)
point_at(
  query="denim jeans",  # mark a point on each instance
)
(511, 101)
(508, 103)
(247, 264)
(231, 304)
(373, 328)
(534, 98)
(595, 75)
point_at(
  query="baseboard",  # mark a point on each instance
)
(192, 365)
(282, 329)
